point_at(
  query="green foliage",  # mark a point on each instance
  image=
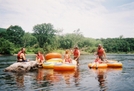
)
(68, 41)
(15, 34)
(118, 44)
(6, 47)
(44, 33)
(65, 43)
(31, 50)
(29, 40)
(2, 30)
(46, 39)
(2, 33)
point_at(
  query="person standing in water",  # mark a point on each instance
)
(101, 53)
(76, 54)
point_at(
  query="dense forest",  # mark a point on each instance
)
(46, 39)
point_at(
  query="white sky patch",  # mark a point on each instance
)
(93, 18)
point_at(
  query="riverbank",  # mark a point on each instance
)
(63, 52)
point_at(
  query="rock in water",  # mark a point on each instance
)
(22, 66)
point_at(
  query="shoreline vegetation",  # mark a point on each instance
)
(63, 51)
(47, 39)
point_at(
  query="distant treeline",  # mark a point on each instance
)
(47, 39)
(119, 45)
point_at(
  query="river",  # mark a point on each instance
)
(83, 79)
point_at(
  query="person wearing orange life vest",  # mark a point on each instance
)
(21, 56)
(67, 58)
(101, 52)
(40, 58)
(76, 54)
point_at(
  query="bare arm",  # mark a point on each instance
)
(104, 54)
(78, 53)
(43, 59)
(36, 59)
(23, 56)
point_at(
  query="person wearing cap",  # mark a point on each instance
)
(76, 54)
(101, 52)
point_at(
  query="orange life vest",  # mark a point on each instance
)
(39, 57)
(100, 52)
(76, 53)
(67, 58)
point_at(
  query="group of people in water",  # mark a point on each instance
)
(21, 56)
(76, 54)
(100, 53)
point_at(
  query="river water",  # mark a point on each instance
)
(83, 79)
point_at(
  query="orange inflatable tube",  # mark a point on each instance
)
(55, 60)
(115, 65)
(52, 55)
(102, 65)
(64, 67)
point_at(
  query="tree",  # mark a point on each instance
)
(65, 43)
(44, 33)
(76, 37)
(6, 47)
(2, 33)
(15, 34)
(29, 40)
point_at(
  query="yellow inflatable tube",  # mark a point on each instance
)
(48, 65)
(101, 65)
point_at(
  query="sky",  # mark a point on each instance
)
(94, 18)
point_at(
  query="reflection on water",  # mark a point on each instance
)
(50, 78)
(65, 75)
(40, 75)
(101, 74)
(19, 80)
(76, 76)
(100, 77)
(82, 79)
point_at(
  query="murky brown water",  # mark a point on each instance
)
(83, 79)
